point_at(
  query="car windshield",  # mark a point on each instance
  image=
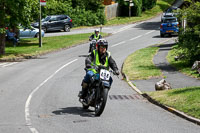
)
(170, 20)
(46, 19)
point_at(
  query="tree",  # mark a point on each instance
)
(13, 13)
(189, 38)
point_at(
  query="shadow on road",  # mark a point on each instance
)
(74, 111)
(149, 26)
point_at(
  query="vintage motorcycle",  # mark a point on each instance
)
(92, 45)
(98, 91)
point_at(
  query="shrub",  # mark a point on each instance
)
(189, 38)
(136, 10)
(83, 13)
(148, 4)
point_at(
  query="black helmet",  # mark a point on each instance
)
(102, 42)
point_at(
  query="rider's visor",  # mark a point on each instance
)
(102, 46)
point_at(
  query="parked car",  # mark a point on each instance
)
(169, 26)
(55, 23)
(170, 12)
(29, 33)
(166, 15)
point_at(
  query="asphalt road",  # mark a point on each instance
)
(40, 95)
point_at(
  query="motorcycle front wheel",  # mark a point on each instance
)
(85, 107)
(100, 102)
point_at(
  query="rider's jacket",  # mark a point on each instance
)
(93, 36)
(96, 59)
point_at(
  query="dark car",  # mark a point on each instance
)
(169, 26)
(170, 12)
(55, 23)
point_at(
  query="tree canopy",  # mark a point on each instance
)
(12, 14)
(189, 38)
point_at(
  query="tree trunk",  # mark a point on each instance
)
(2, 44)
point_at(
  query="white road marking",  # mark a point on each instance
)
(9, 64)
(1, 64)
(118, 44)
(27, 109)
(136, 37)
(149, 32)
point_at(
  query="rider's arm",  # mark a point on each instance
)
(100, 36)
(112, 64)
(89, 60)
(91, 37)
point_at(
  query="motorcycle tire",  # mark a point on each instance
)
(100, 103)
(85, 107)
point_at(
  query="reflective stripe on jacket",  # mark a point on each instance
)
(96, 37)
(97, 62)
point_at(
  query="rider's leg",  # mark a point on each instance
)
(110, 80)
(85, 83)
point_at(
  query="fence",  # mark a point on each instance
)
(112, 11)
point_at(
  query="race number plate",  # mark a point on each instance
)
(104, 74)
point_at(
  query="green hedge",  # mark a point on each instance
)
(83, 13)
(148, 4)
(136, 10)
(189, 38)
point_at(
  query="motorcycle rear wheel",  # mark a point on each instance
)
(101, 102)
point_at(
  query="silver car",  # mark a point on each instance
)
(29, 33)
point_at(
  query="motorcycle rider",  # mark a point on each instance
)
(100, 56)
(95, 36)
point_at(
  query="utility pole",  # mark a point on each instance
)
(129, 8)
(40, 27)
(41, 3)
(130, 5)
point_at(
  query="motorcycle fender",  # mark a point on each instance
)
(106, 84)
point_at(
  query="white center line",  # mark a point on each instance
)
(118, 44)
(149, 32)
(136, 37)
(27, 108)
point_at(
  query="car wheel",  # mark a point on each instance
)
(162, 35)
(36, 35)
(67, 28)
(44, 29)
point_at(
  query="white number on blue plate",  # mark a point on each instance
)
(104, 74)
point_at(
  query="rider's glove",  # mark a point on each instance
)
(116, 72)
(95, 67)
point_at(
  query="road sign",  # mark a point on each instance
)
(131, 4)
(43, 2)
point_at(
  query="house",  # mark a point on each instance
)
(109, 2)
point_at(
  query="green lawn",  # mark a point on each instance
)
(30, 47)
(139, 65)
(186, 100)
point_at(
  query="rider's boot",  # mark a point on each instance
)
(82, 94)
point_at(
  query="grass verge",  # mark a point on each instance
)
(181, 65)
(161, 5)
(139, 65)
(186, 100)
(30, 47)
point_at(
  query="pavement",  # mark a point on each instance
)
(173, 77)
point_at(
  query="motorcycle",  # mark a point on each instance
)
(92, 45)
(98, 91)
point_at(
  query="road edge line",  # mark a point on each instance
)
(27, 104)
